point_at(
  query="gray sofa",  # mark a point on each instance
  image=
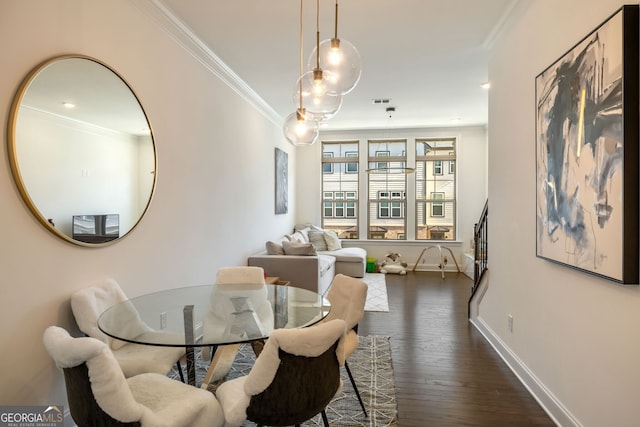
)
(313, 272)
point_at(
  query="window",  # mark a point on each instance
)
(391, 209)
(352, 167)
(340, 188)
(437, 167)
(328, 210)
(387, 184)
(382, 165)
(437, 208)
(431, 201)
(383, 210)
(327, 167)
(351, 210)
(435, 189)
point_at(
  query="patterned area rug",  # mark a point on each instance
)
(372, 370)
(377, 294)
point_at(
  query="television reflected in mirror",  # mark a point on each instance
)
(96, 228)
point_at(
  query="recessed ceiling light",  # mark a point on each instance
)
(67, 104)
(485, 85)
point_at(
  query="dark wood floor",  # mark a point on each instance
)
(446, 373)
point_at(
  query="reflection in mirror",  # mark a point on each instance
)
(81, 150)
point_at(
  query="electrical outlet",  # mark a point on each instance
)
(163, 320)
(510, 322)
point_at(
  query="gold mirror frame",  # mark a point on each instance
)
(12, 145)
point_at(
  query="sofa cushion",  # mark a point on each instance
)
(316, 238)
(295, 248)
(348, 254)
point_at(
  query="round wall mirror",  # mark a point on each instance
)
(81, 150)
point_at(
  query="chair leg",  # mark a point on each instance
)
(355, 388)
(324, 418)
(179, 366)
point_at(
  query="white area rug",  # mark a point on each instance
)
(377, 294)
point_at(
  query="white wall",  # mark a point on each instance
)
(212, 144)
(472, 172)
(575, 338)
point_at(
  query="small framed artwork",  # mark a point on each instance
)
(282, 182)
(587, 153)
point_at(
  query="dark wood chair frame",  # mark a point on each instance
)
(302, 388)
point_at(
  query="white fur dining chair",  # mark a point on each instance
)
(348, 296)
(99, 395)
(239, 281)
(294, 378)
(89, 303)
(240, 274)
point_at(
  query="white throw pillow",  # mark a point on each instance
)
(332, 240)
(274, 248)
(299, 237)
(316, 238)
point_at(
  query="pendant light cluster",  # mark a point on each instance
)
(334, 69)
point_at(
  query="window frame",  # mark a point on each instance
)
(436, 194)
(340, 185)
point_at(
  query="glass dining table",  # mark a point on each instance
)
(212, 316)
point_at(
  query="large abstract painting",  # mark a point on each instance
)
(282, 182)
(587, 153)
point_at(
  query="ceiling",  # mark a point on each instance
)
(427, 57)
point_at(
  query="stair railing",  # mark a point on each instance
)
(481, 251)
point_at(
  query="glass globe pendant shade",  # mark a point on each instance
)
(300, 128)
(321, 93)
(340, 58)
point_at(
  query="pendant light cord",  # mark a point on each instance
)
(336, 22)
(318, 34)
(301, 53)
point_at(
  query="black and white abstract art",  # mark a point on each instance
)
(282, 182)
(587, 153)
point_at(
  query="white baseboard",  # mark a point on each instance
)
(551, 405)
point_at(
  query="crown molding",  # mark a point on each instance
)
(177, 30)
(497, 29)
